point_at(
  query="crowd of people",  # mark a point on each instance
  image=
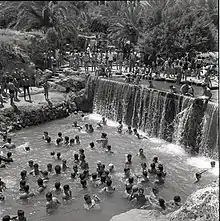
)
(101, 179)
(12, 83)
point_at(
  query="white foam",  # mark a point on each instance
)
(98, 117)
(204, 163)
(156, 140)
(22, 146)
(172, 149)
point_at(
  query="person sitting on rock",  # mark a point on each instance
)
(9, 144)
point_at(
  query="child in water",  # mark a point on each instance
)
(120, 127)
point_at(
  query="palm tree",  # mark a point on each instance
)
(40, 15)
(127, 24)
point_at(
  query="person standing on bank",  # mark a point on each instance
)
(26, 87)
(46, 89)
(12, 89)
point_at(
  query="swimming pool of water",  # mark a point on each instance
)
(180, 168)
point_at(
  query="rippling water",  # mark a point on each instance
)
(180, 168)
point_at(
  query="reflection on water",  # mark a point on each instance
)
(180, 168)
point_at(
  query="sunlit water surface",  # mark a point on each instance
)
(180, 168)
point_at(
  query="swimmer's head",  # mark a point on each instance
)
(129, 127)
(64, 161)
(48, 139)
(109, 183)
(177, 199)
(135, 130)
(141, 191)
(141, 150)
(58, 140)
(66, 139)
(9, 154)
(87, 126)
(212, 164)
(49, 196)
(155, 190)
(59, 134)
(6, 218)
(49, 167)
(111, 166)
(145, 173)
(120, 122)
(129, 157)
(66, 187)
(103, 178)
(58, 169)
(2, 198)
(87, 198)
(76, 156)
(130, 180)
(40, 182)
(198, 176)
(82, 115)
(9, 140)
(45, 173)
(36, 166)
(109, 147)
(153, 166)
(144, 165)
(23, 174)
(20, 214)
(58, 155)
(81, 151)
(94, 176)
(161, 202)
(155, 159)
(46, 133)
(77, 137)
(72, 141)
(52, 153)
(83, 183)
(92, 144)
(57, 185)
(26, 188)
(103, 135)
(135, 188)
(160, 167)
(27, 148)
(99, 163)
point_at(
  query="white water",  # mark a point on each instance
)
(199, 162)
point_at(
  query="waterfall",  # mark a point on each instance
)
(183, 120)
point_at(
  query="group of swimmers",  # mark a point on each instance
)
(101, 178)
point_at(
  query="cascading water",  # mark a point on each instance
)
(175, 118)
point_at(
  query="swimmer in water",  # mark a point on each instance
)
(83, 183)
(77, 140)
(66, 140)
(45, 175)
(46, 135)
(35, 171)
(141, 137)
(109, 149)
(27, 194)
(91, 129)
(74, 174)
(175, 203)
(92, 145)
(127, 173)
(72, 141)
(60, 136)
(50, 168)
(129, 160)
(160, 170)
(41, 186)
(104, 121)
(103, 140)
(108, 188)
(152, 169)
(91, 203)
(76, 158)
(75, 125)
(67, 193)
(120, 127)
(94, 180)
(144, 178)
(141, 154)
(86, 127)
(20, 216)
(22, 185)
(9, 154)
(64, 165)
(129, 130)
(99, 126)
(52, 203)
(57, 169)
(31, 164)
(159, 180)
(9, 144)
(139, 197)
(155, 161)
(23, 175)
(58, 141)
(111, 168)
(59, 156)
(57, 188)
(48, 140)
(2, 185)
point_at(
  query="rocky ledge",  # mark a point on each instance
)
(202, 205)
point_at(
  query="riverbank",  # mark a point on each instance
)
(24, 114)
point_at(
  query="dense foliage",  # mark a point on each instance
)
(160, 26)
